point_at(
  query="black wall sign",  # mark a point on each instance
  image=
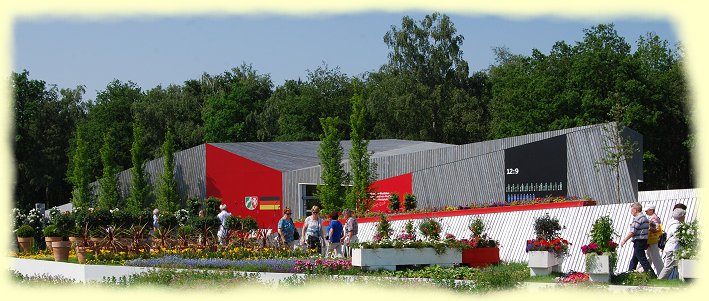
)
(536, 170)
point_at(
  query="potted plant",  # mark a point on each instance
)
(385, 252)
(25, 237)
(51, 234)
(688, 238)
(430, 229)
(480, 250)
(547, 251)
(601, 256)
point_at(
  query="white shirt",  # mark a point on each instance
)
(222, 216)
(672, 243)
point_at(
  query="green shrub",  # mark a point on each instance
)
(168, 221)
(477, 227)
(185, 231)
(631, 278)
(25, 231)
(688, 238)
(211, 206)
(383, 228)
(233, 222)
(51, 231)
(547, 227)
(394, 203)
(249, 224)
(409, 202)
(64, 222)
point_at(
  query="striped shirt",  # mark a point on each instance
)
(639, 227)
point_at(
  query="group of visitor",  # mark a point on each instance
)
(337, 238)
(645, 231)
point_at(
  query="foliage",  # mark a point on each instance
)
(479, 239)
(546, 227)
(476, 227)
(233, 222)
(394, 202)
(185, 231)
(602, 241)
(211, 206)
(187, 279)
(324, 267)
(360, 194)
(430, 229)
(81, 175)
(45, 119)
(25, 231)
(231, 115)
(631, 278)
(109, 196)
(168, 198)
(64, 222)
(182, 216)
(383, 229)
(409, 202)
(688, 238)
(139, 190)
(331, 194)
(559, 246)
(52, 231)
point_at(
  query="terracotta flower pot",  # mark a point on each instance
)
(61, 250)
(81, 254)
(25, 243)
(49, 240)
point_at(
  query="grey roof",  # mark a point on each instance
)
(285, 156)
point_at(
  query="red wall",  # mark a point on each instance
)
(400, 184)
(232, 178)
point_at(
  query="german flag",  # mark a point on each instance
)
(270, 205)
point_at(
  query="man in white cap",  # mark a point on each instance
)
(223, 231)
(653, 236)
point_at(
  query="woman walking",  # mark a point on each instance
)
(312, 231)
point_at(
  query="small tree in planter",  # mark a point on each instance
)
(601, 256)
(25, 237)
(482, 250)
(688, 239)
(51, 234)
(548, 249)
(409, 202)
(383, 229)
(394, 202)
(430, 229)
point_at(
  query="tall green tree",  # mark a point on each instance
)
(140, 196)
(82, 196)
(176, 107)
(363, 171)
(331, 193)
(232, 115)
(45, 122)
(168, 199)
(415, 94)
(579, 84)
(294, 110)
(109, 195)
(111, 111)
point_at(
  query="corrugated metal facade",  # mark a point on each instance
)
(459, 175)
(190, 167)
(513, 229)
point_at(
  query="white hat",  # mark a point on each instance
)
(222, 207)
(651, 206)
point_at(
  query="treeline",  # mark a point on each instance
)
(424, 92)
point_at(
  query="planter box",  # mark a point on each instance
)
(687, 269)
(542, 263)
(481, 257)
(598, 267)
(389, 258)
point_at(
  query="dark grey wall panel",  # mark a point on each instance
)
(190, 171)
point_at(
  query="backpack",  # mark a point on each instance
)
(662, 241)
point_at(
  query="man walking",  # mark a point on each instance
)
(638, 232)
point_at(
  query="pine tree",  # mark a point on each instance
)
(168, 197)
(81, 175)
(331, 194)
(363, 173)
(109, 196)
(140, 191)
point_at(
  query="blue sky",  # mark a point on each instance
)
(163, 50)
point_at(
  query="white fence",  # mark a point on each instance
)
(513, 229)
